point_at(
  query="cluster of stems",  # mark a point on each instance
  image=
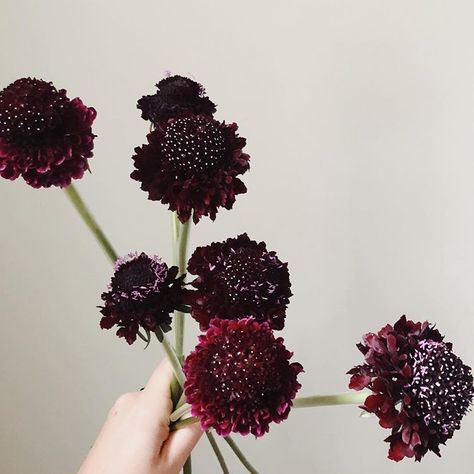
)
(181, 414)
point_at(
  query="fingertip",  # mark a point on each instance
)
(161, 377)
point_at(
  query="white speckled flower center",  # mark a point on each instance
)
(442, 386)
(193, 145)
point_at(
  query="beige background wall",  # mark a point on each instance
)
(360, 122)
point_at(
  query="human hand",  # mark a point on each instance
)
(135, 438)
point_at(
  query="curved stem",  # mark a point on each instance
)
(351, 398)
(179, 412)
(90, 222)
(240, 455)
(217, 452)
(172, 357)
(182, 423)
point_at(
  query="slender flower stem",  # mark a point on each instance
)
(181, 401)
(180, 243)
(179, 412)
(176, 392)
(240, 455)
(182, 423)
(180, 234)
(351, 398)
(217, 452)
(174, 237)
(90, 222)
(172, 357)
(187, 468)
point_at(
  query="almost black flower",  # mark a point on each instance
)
(239, 378)
(192, 165)
(238, 278)
(421, 388)
(44, 136)
(176, 96)
(142, 294)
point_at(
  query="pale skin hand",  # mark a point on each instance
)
(135, 438)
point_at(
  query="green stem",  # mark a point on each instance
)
(90, 222)
(180, 243)
(181, 401)
(176, 392)
(174, 237)
(179, 412)
(351, 398)
(182, 423)
(217, 452)
(240, 455)
(172, 357)
(187, 468)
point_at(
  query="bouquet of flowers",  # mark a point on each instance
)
(240, 378)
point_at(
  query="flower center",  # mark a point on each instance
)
(28, 108)
(193, 145)
(240, 275)
(442, 386)
(244, 372)
(138, 276)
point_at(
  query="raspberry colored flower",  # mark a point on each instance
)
(239, 378)
(142, 294)
(421, 388)
(44, 136)
(176, 96)
(192, 164)
(239, 278)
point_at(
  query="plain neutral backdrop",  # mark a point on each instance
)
(359, 117)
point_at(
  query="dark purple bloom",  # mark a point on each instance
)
(239, 378)
(176, 96)
(238, 278)
(192, 165)
(44, 136)
(142, 294)
(421, 388)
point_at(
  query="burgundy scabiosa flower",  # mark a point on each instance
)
(421, 388)
(237, 278)
(239, 378)
(142, 294)
(44, 136)
(176, 96)
(192, 164)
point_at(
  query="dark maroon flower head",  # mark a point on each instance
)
(238, 278)
(192, 164)
(142, 294)
(176, 96)
(421, 388)
(44, 136)
(239, 378)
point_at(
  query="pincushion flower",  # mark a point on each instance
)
(421, 388)
(44, 136)
(142, 294)
(176, 96)
(192, 164)
(239, 378)
(237, 278)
